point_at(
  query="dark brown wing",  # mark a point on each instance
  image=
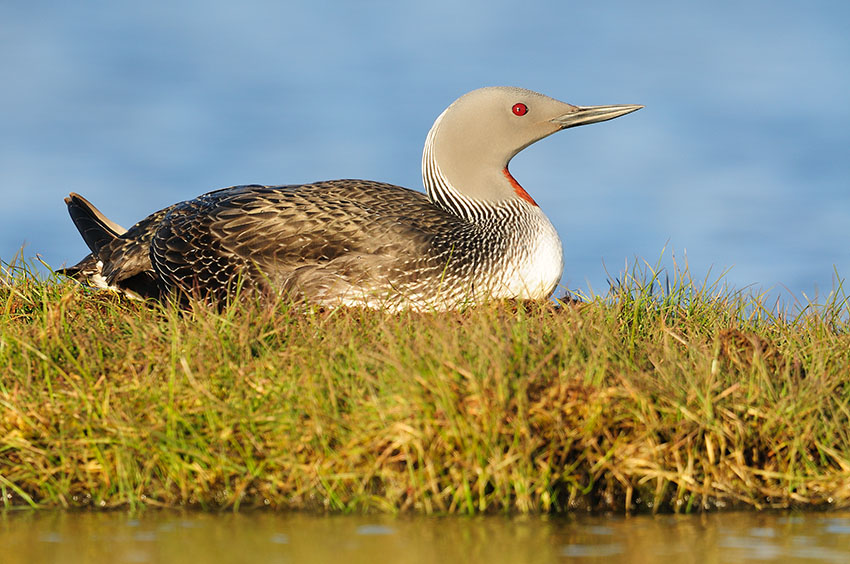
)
(126, 259)
(118, 258)
(313, 239)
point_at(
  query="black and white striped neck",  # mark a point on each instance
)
(448, 198)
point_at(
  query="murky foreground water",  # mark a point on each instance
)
(154, 536)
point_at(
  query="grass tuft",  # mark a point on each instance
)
(666, 394)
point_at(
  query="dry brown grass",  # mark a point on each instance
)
(683, 399)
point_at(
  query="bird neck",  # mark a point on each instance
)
(518, 190)
(475, 191)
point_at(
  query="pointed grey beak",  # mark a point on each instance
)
(584, 115)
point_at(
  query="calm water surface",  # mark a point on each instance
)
(279, 538)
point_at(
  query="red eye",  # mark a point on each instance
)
(520, 109)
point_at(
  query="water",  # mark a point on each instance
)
(741, 157)
(63, 537)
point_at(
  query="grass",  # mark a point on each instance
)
(664, 395)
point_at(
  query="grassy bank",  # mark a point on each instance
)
(652, 398)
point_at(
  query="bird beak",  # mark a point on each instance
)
(583, 115)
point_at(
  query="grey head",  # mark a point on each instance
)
(474, 139)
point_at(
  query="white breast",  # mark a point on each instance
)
(534, 272)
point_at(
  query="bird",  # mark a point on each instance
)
(472, 236)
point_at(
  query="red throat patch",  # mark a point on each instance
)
(519, 190)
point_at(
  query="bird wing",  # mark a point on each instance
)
(318, 239)
(126, 258)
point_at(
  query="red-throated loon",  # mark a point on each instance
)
(477, 235)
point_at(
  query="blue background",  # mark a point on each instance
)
(740, 160)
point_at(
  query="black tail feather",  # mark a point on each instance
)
(97, 230)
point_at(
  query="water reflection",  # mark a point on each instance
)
(155, 536)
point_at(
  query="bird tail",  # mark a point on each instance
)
(96, 229)
(85, 270)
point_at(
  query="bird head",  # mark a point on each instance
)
(475, 138)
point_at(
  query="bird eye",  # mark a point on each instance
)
(520, 109)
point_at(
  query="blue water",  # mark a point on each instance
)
(740, 160)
